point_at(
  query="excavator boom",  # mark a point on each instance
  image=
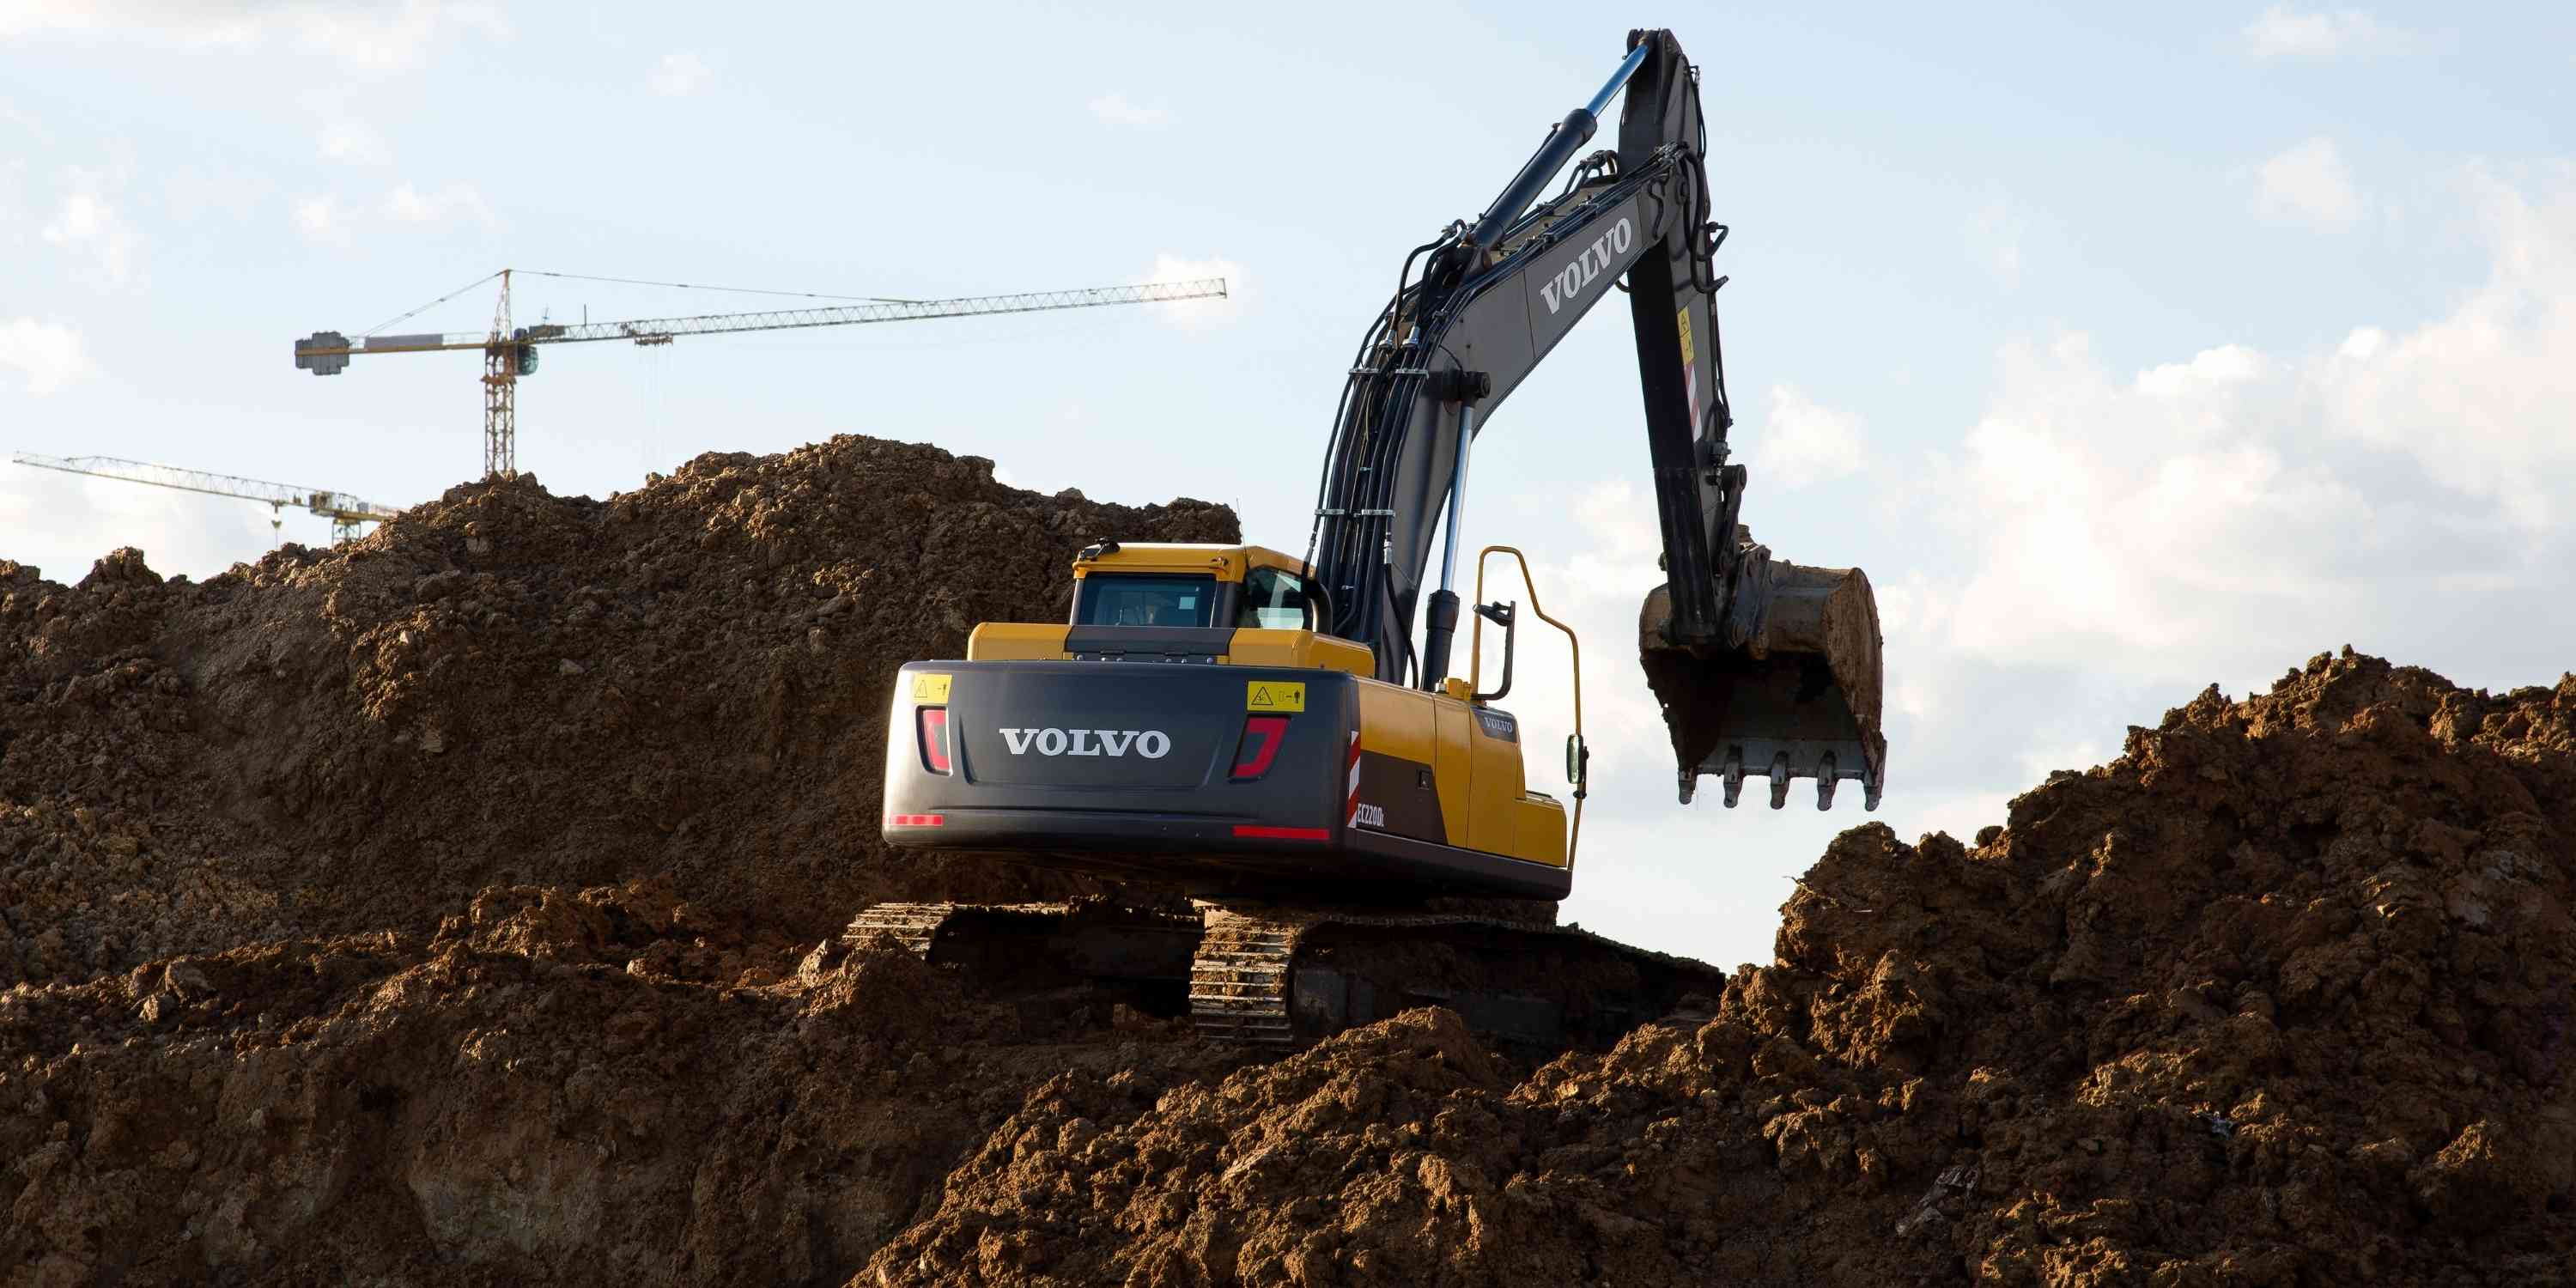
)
(1761, 666)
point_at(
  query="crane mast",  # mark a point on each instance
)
(510, 352)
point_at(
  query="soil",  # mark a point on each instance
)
(456, 907)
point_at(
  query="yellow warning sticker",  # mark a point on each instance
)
(1275, 697)
(1690, 352)
(929, 687)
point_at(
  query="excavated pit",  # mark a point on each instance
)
(454, 908)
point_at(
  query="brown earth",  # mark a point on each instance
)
(448, 908)
(507, 687)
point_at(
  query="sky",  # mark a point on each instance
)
(2129, 349)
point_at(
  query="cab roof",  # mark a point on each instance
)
(1228, 563)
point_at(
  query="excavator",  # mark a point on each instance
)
(1353, 824)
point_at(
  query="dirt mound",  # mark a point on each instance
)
(507, 687)
(454, 907)
(539, 1093)
(2282, 996)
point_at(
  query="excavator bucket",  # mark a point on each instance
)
(1790, 690)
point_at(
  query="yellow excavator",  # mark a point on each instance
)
(1258, 729)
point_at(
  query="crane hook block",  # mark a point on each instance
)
(323, 363)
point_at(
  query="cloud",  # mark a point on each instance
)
(1114, 108)
(2482, 400)
(406, 204)
(1197, 315)
(2205, 517)
(58, 523)
(1805, 442)
(88, 222)
(328, 221)
(194, 190)
(379, 34)
(322, 220)
(1995, 237)
(2284, 33)
(354, 143)
(46, 355)
(679, 75)
(2308, 184)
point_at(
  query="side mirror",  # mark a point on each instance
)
(1578, 763)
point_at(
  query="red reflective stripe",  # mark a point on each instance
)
(1257, 832)
(1272, 730)
(934, 738)
(915, 820)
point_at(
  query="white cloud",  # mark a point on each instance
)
(1805, 442)
(12, 116)
(2484, 399)
(406, 204)
(87, 222)
(354, 143)
(680, 74)
(47, 355)
(2308, 184)
(2209, 371)
(2284, 33)
(327, 220)
(321, 220)
(194, 190)
(1195, 315)
(2206, 517)
(1995, 235)
(58, 523)
(362, 33)
(1114, 108)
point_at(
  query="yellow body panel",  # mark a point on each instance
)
(1396, 722)
(1454, 763)
(1259, 646)
(1017, 642)
(1493, 791)
(1484, 803)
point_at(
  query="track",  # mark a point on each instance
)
(1280, 975)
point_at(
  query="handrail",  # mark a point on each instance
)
(1476, 669)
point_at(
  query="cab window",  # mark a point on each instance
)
(1273, 600)
(1142, 599)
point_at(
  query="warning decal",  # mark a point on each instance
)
(929, 687)
(1274, 697)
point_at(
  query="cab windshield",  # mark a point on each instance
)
(1145, 599)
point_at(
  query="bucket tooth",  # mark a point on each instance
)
(1825, 782)
(1732, 775)
(1779, 780)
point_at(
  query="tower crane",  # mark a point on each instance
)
(346, 513)
(510, 352)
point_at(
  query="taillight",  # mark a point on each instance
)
(934, 738)
(915, 820)
(1260, 745)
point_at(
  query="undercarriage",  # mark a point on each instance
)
(1286, 975)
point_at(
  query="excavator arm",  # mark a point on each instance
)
(1762, 666)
